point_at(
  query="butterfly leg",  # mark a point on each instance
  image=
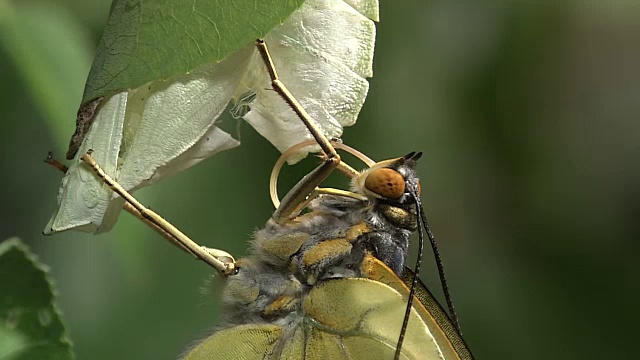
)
(127, 206)
(290, 204)
(218, 259)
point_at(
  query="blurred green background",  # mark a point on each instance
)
(527, 112)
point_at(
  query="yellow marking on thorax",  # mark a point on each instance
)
(356, 230)
(285, 246)
(327, 249)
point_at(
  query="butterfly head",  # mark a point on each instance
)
(393, 186)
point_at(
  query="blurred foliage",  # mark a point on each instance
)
(527, 112)
(30, 324)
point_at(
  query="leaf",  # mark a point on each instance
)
(30, 323)
(323, 52)
(148, 40)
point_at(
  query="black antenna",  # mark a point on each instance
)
(443, 278)
(422, 222)
(416, 271)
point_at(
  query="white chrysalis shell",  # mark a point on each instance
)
(323, 53)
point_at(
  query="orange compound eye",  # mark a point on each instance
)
(385, 182)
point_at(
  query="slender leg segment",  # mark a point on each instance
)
(127, 207)
(300, 192)
(218, 259)
(279, 87)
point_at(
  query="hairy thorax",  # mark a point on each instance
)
(328, 242)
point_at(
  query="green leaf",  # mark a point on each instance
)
(30, 324)
(149, 40)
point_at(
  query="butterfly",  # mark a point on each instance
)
(327, 276)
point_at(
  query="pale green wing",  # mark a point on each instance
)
(351, 318)
(245, 342)
(440, 326)
(453, 344)
(366, 316)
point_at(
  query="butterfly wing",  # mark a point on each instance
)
(429, 305)
(243, 342)
(344, 318)
(447, 336)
